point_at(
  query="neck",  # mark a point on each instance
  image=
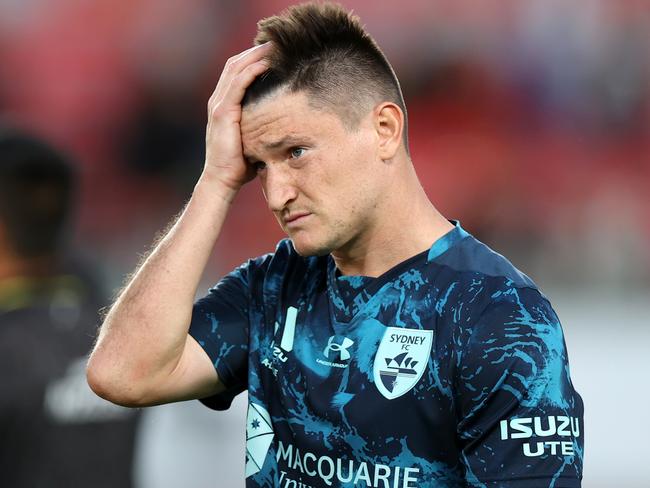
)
(405, 224)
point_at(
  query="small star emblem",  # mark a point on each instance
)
(255, 424)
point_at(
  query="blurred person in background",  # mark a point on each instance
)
(54, 432)
(377, 304)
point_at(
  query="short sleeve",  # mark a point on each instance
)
(520, 419)
(220, 324)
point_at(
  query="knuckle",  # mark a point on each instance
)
(246, 74)
(233, 63)
(248, 71)
(216, 111)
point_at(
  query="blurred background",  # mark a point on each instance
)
(529, 122)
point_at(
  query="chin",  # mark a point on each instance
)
(307, 249)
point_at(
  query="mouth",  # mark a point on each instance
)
(296, 219)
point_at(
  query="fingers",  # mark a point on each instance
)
(235, 92)
(223, 135)
(236, 65)
(248, 56)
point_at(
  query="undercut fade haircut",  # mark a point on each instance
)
(36, 187)
(323, 50)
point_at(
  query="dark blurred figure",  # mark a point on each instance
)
(53, 431)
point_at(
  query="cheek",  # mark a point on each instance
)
(339, 179)
(356, 170)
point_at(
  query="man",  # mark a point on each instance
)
(381, 345)
(55, 431)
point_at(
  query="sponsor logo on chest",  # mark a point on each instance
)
(402, 358)
(338, 350)
(276, 355)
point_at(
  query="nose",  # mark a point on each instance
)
(279, 187)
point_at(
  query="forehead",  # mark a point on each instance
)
(282, 115)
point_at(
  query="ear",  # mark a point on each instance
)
(389, 124)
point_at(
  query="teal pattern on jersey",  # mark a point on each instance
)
(448, 370)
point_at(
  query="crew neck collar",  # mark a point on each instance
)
(349, 293)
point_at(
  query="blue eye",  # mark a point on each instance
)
(296, 152)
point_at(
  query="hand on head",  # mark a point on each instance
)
(224, 161)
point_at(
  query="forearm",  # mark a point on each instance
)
(143, 354)
(143, 336)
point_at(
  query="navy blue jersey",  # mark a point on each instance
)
(448, 370)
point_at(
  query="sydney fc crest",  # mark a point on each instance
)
(401, 359)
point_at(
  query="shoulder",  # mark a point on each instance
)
(496, 314)
(474, 277)
(505, 330)
(472, 257)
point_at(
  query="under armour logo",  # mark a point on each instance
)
(340, 348)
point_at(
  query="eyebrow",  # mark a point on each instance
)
(287, 141)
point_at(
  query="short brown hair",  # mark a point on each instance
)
(323, 49)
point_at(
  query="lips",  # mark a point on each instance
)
(293, 218)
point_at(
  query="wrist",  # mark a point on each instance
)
(210, 185)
